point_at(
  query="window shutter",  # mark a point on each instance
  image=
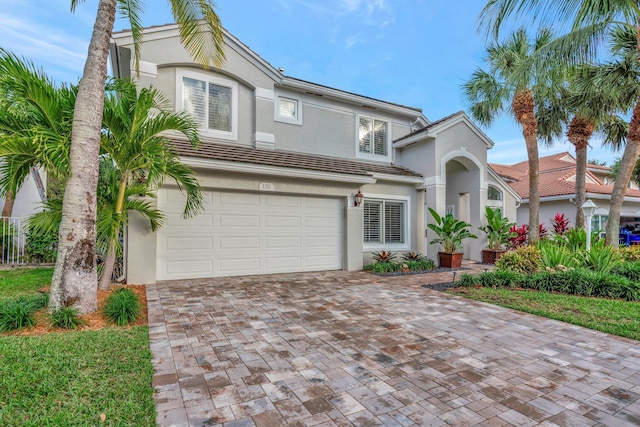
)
(380, 138)
(194, 101)
(372, 223)
(219, 108)
(394, 222)
(365, 134)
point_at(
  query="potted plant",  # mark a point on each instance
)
(498, 231)
(451, 232)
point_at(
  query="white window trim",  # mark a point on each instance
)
(370, 156)
(500, 192)
(374, 247)
(276, 113)
(217, 80)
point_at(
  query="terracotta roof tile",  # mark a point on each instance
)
(554, 177)
(287, 159)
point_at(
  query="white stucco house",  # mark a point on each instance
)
(281, 160)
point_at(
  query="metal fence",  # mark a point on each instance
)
(12, 241)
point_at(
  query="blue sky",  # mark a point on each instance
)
(411, 52)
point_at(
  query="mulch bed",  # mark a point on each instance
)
(93, 321)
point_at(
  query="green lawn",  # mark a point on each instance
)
(71, 378)
(23, 281)
(611, 316)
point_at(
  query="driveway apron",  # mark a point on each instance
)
(354, 349)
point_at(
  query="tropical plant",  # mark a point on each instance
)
(383, 256)
(560, 224)
(137, 158)
(518, 235)
(450, 231)
(601, 259)
(41, 245)
(498, 229)
(556, 255)
(514, 82)
(18, 313)
(591, 23)
(413, 256)
(122, 307)
(75, 278)
(35, 125)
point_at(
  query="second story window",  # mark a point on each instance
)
(373, 136)
(288, 110)
(493, 193)
(211, 101)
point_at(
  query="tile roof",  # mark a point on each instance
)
(287, 159)
(555, 172)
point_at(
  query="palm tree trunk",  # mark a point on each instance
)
(109, 263)
(579, 133)
(75, 280)
(581, 172)
(110, 260)
(9, 201)
(627, 163)
(523, 106)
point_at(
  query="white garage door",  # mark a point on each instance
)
(248, 233)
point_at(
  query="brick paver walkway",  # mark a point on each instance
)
(342, 349)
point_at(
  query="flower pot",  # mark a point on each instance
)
(450, 259)
(489, 256)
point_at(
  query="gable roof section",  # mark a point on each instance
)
(289, 160)
(433, 128)
(556, 172)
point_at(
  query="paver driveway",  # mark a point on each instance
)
(337, 348)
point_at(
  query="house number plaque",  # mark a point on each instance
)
(267, 186)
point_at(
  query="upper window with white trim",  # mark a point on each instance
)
(373, 137)
(288, 110)
(493, 193)
(211, 100)
(385, 222)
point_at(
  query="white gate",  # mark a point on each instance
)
(12, 241)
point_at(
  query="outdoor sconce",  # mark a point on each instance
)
(358, 199)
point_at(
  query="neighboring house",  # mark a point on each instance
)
(281, 160)
(557, 191)
(29, 198)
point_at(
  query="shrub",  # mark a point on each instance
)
(41, 246)
(420, 265)
(383, 256)
(469, 280)
(16, 314)
(122, 307)
(384, 267)
(523, 260)
(66, 318)
(630, 253)
(560, 224)
(630, 270)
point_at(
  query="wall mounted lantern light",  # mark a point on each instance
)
(358, 199)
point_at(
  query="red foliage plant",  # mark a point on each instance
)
(560, 224)
(522, 233)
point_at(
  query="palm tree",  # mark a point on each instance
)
(35, 124)
(512, 83)
(592, 21)
(584, 106)
(75, 281)
(137, 158)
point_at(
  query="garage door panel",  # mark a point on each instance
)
(245, 233)
(282, 221)
(188, 243)
(239, 243)
(193, 267)
(239, 220)
(283, 242)
(231, 267)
